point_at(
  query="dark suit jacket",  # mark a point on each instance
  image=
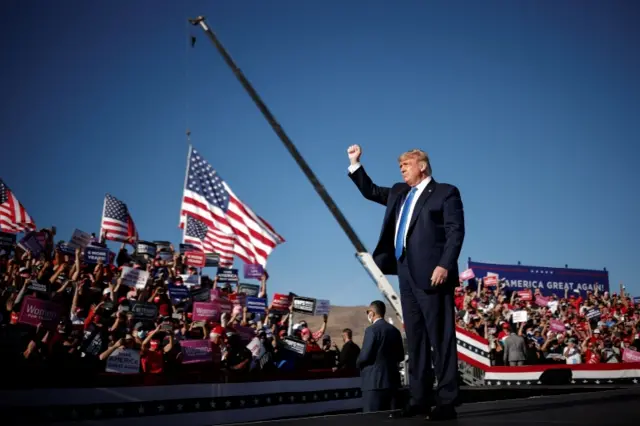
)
(435, 234)
(382, 351)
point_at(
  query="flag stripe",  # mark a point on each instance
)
(13, 216)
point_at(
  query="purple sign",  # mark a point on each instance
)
(196, 351)
(35, 311)
(33, 242)
(253, 271)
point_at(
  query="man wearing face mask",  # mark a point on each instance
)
(382, 351)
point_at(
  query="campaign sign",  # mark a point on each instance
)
(593, 313)
(297, 346)
(201, 295)
(304, 305)
(93, 255)
(253, 270)
(7, 240)
(249, 289)
(163, 246)
(467, 275)
(79, 239)
(124, 361)
(146, 247)
(67, 249)
(256, 305)
(323, 307)
(223, 306)
(132, 277)
(630, 356)
(36, 286)
(227, 275)
(194, 351)
(190, 280)
(205, 311)
(548, 280)
(187, 247)
(35, 311)
(212, 260)
(557, 326)
(281, 302)
(144, 311)
(178, 294)
(195, 258)
(525, 295)
(33, 242)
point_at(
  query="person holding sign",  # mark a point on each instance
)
(421, 239)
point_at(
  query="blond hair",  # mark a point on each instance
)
(420, 156)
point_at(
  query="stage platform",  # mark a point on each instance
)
(618, 407)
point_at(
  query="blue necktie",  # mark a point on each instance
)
(404, 221)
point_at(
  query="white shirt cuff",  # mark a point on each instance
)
(354, 167)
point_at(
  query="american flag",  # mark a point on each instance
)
(209, 199)
(13, 216)
(117, 224)
(209, 240)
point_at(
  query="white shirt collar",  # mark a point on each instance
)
(422, 185)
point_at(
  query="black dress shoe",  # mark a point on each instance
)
(443, 412)
(409, 411)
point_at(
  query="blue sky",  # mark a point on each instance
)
(528, 107)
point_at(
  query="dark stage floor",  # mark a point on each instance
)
(611, 408)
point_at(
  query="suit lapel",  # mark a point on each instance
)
(420, 203)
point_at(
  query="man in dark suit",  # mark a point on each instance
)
(349, 352)
(420, 241)
(382, 351)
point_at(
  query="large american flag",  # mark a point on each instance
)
(209, 240)
(117, 224)
(209, 199)
(13, 216)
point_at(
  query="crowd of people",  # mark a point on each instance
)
(531, 328)
(61, 313)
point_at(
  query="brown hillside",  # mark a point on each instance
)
(341, 317)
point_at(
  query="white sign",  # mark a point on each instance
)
(123, 361)
(520, 316)
(79, 239)
(323, 307)
(134, 277)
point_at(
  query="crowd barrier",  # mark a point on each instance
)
(291, 395)
(474, 351)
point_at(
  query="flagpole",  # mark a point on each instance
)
(186, 176)
(103, 239)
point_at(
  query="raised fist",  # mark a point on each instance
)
(354, 153)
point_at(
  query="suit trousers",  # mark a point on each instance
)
(429, 321)
(378, 400)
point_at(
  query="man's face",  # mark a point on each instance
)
(345, 338)
(411, 170)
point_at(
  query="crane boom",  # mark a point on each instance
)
(366, 260)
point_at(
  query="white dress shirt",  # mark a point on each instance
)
(419, 189)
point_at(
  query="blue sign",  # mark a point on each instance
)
(256, 305)
(548, 280)
(93, 254)
(178, 294)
